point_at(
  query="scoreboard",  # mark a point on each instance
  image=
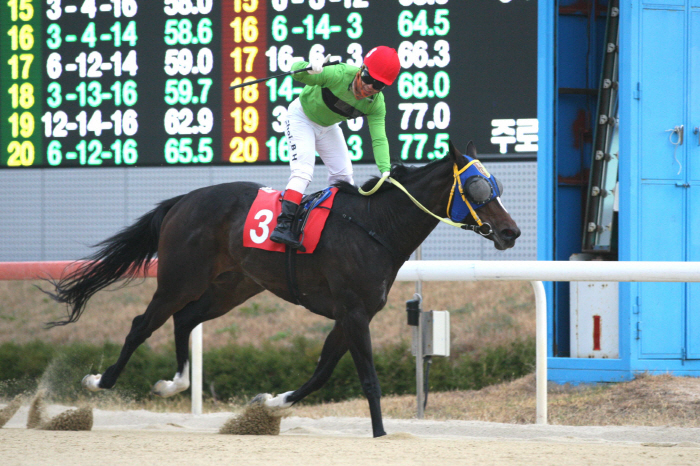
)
(118, 83)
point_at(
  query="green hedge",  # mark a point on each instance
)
(239, 372)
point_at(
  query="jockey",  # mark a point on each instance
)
(333, 94)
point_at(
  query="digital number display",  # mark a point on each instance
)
(103, 83)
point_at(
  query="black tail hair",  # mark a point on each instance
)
(121, 257)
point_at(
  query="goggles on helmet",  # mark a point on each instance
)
(368, 79)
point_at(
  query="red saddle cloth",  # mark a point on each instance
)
(262, 219)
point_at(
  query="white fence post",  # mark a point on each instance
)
(540, 351)
(197, 370)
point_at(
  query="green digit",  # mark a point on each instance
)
(405, 23)
(323, 28)
(117, 149)
(130, 34)
(422, 138)
(420, 23)
(82, 151)
(206, 153)
(407, 139)
(171, 93)
(96, 98)
(117, 33)
(130, 94)
(55, 99)
(279, 28)
(54, 41)
(442, 24)
(53, 154)
(405, 85)
(96, 148)
(309, 23)
(420, 85)
(272, 84)
(441, 84)
(206, 84)
(185, 31)
(89, 36)
(82, 93)
(272, 146)
(355, 144)
(117, 93)
(355, 20)
(171, 33)
(184, 88)
(131, 153)
(286, 90)
(204, 32)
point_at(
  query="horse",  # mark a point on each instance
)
(204, 271)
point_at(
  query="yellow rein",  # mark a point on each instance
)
(415, 201)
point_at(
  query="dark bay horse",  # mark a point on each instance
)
(204, 271)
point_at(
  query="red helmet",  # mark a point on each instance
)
(383, 64)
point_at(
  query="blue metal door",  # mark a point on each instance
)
(661, 325)
(693, 149)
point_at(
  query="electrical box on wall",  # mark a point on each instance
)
(594, 319)
(436, 334)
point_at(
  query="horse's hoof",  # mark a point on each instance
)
(92, 382)
(278, 402)
(166, 388)
(260, 399)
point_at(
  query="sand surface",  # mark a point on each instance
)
(146, 438)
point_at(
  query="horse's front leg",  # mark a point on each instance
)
(334, 348)
(355, 326)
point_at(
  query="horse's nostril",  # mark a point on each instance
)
(509, 234)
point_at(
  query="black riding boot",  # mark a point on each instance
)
(283, 231)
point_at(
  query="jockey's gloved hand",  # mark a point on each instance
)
(317, 63)
(386, 174)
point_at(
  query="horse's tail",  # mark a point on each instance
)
(121, 256)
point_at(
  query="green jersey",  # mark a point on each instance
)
(328, 99)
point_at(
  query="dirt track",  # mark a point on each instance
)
(140, 437)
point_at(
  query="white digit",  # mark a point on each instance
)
(355, 51)
(259, 239)
(280, 112)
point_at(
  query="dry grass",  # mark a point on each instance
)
(661, 400)
(482, 314)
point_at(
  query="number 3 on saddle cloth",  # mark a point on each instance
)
(262, 219)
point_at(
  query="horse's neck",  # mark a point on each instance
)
(406, 224)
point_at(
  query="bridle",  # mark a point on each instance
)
(482, 228)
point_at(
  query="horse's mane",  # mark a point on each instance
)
(400, 172)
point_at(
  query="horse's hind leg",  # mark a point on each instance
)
(174, 291)
(221, 297)
(333, 350)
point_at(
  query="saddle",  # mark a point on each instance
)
(308, 203)
(308, 222)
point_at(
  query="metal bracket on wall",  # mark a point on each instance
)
(599, 229)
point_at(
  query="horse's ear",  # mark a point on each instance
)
(471, 150)
(457, 156)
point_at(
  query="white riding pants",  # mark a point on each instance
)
(305, 138)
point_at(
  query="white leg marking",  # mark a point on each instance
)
(91, 382)
(280, 401)
(180, 382)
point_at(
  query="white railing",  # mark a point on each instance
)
(533, 271)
